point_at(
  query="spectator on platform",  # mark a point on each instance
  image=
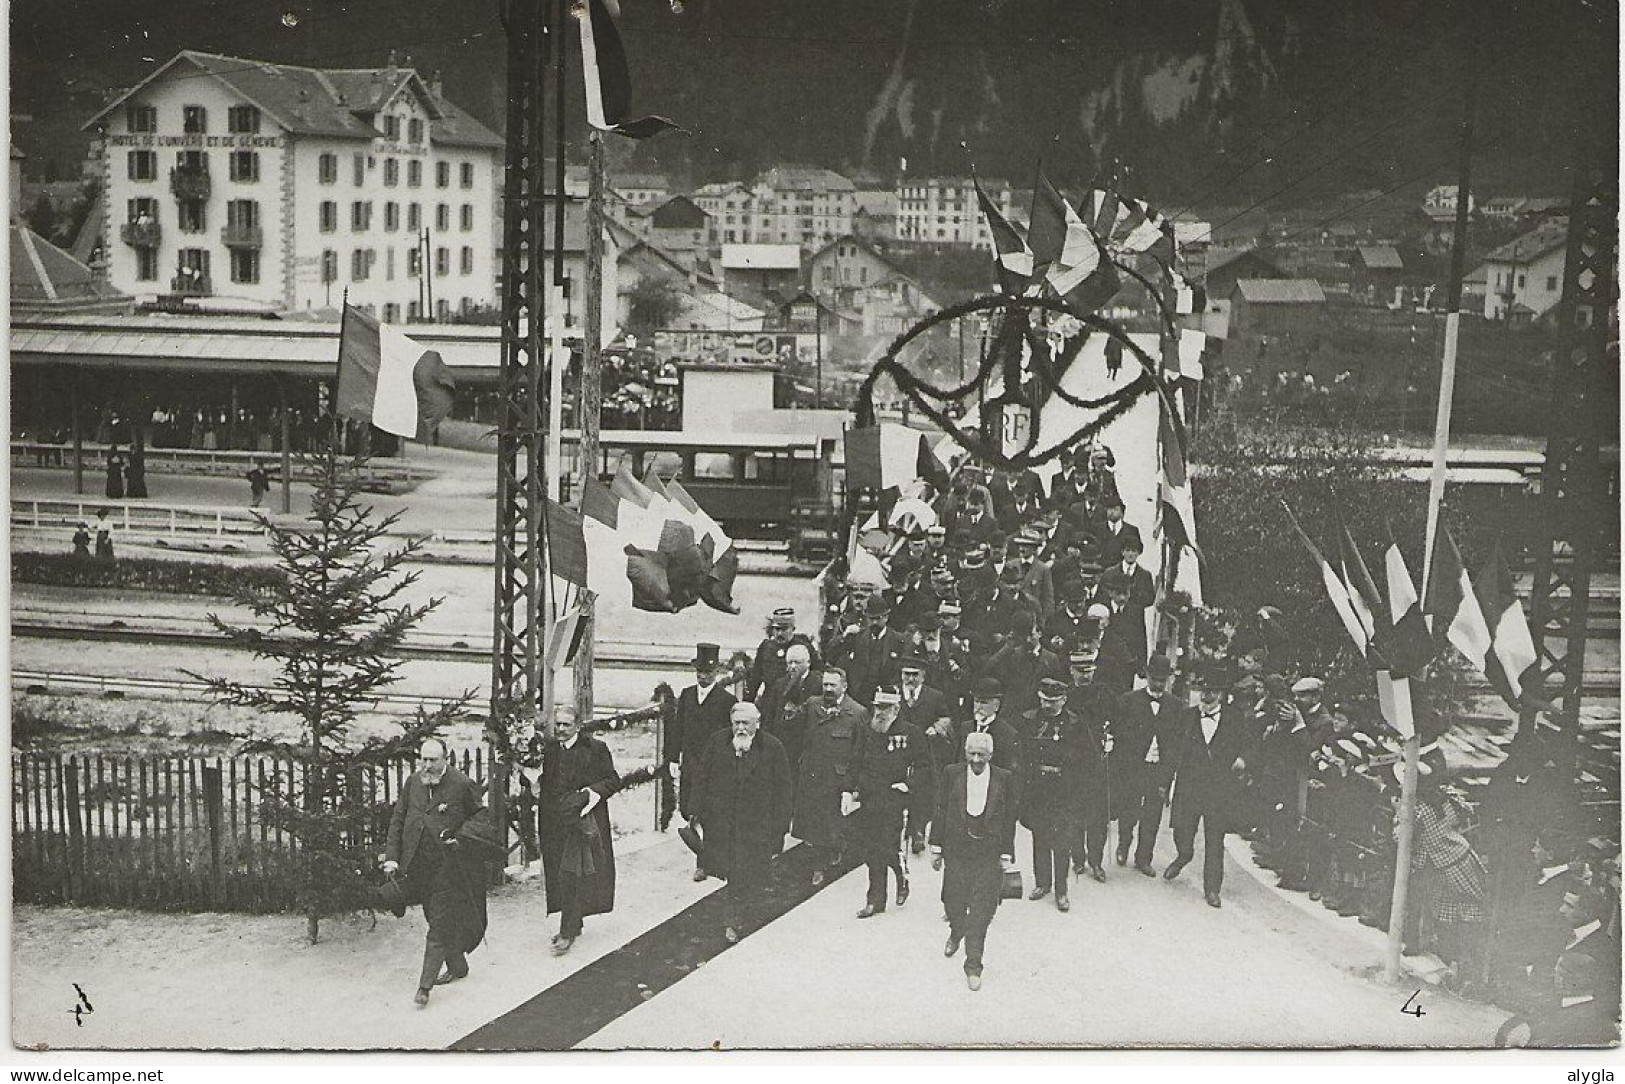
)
(81, 540)
(259, 483)
(115, 474)
(104, 536)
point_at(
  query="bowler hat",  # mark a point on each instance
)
(929, 622)
(1010, 573)
(1073, 589)
(1161, 667)
(877, 606)
(706, 655)
(987, 688)
(391, 896)
(1114, 579)
(1051, 689)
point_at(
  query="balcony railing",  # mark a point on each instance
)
(189, 183)
(241, 235)
(191, 285)
(140, 234)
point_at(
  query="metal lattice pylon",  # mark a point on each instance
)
(520, 609)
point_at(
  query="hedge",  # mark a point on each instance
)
(142, 574)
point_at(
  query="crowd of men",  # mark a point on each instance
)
(1009, 638)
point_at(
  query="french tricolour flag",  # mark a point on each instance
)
(389, 380)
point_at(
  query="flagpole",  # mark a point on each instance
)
(1403, 720)
(590, 403)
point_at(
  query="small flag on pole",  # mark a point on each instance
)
(1013, 259)
(1409, 648)
(388, 380)
(564, 639)
(1336, 590)
(608, 80)
(1512, 655)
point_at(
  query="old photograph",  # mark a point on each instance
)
(773, 525)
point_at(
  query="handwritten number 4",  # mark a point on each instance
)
(1412, 1010)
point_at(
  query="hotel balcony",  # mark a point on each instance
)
(237, 235)
(140, 234)
(191, 285)
(189, 183)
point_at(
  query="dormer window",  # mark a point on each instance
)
(392, 127)
(194, 120)
(142, 118)
(414, 131)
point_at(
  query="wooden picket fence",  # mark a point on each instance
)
(168, 833)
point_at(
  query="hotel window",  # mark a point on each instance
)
(468, 260)
(392, 172)
(468, 217)
(360, 169)
(330, 265)
(243, 119)
(327, 169)
(245, 165)
(146, 264)
(442, 309)
(414, 173)
(360, 216)
(392, 216)
(392, 312)
(414, 216)
(143, 208)
(141, 118)
(467, 173)
(414, 131)
(442, 174)
(242, 213)
(392, 127)
(143, 165)
(193, 264)
(414, 262)
(245, 265)
(442, 217)
(191, 216)
(360, 264)
(442, 261)
(329, 216)
(194, 120)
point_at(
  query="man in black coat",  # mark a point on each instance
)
(892, 765)
(1143, 762)
(1210, 744)
(1114, 533)
(973, 835)
(769, 663)
(927, 710)
(434, 802)
(578, 852)
(1125, 633)
(987, 716)
(1021, 664)
(1052, 789)
(869, 655)
(831, 729)
(702, 712)
(1090, 706)
(744, 803)
(781, 706)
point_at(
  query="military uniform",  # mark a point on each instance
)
(1050, 795)
(891, 766)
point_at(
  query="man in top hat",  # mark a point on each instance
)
(1211, 752)
(768, 664)
(1143, 761)
(990, 626)
(929, 712)
(827, 783)
(973, 842)
(1052, 788)
(744, 802)
(702, 711)
(1113, 532)
(1016, 499)
(1068, 485)
(892, 765)
(869, 655)
(1090, 706)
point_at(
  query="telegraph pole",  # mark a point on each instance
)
(589, 401)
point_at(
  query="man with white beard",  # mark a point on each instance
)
(744, 803)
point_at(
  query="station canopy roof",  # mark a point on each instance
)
(228, 345)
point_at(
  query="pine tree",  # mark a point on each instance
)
(334, 629)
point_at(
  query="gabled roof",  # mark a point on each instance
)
(1221, 259)
(801, 178)
(1280, 291)
(679, 212)
(720, 188)
(322, 101)
(1533, 245)
(1380, 257)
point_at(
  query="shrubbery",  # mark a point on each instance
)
(144, 574)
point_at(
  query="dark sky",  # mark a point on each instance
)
(1226, 100)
